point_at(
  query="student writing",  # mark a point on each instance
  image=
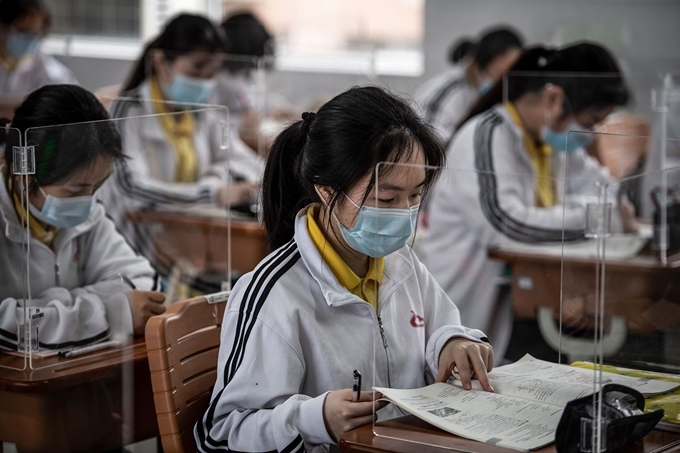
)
(76, 254)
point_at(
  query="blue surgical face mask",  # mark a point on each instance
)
(64, 212)
(379, 232)
(484, 86)
(191, 90)
(20, 45)
(558, 140)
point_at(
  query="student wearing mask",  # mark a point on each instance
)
(335, 287)
(177, 159)
(446, 99)
(23, 67)
(514, 149)
(76, 254)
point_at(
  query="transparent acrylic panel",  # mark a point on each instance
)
(664, 152)
(16, 329)
(483, 247)
(184, 223)
(617, 279)
(640, 294)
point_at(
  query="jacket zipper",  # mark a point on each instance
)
(387, 352)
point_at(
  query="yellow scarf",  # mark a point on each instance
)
(42, 234)
(540, 155)
(366, 287)
(179, 129)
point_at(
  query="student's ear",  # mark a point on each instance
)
(325, 193)
(160, 66)
(552, 96)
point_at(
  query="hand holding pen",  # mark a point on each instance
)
(350, 408)
(143, 305)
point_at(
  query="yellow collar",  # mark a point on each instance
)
(179, 129)
(540, 156)
(340, 269)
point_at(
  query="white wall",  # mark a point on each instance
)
(643, 33)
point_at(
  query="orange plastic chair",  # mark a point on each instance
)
(182, 346)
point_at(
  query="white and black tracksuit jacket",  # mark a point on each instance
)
(487, 197)
(292, 333)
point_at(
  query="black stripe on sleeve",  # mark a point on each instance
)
(283, 260)
(434, 105)
(488, 193)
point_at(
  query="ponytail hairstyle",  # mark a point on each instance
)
(336, 147)
(14, 10)
(461, 49)
(184, 34)
(61, 151)
(493, 43)
(605, 88)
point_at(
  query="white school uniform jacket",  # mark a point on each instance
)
(147, 178)
(33, 73)
(291, 333)
(445, 100)
(77, 285)
(485, 197)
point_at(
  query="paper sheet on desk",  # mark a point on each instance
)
(618, 247)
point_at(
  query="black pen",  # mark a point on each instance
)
(356, 387)
(127, 280)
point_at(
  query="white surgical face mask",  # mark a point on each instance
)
(64, 212)
(379, 232)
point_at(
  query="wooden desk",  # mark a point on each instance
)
(76, 404)
(204, 241)
(632, 287)
(412, 429)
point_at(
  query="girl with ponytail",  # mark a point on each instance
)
(310, 312)
(177, 158)
(514, 148)
(446, 99)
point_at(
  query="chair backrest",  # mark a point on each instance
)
(182, 346)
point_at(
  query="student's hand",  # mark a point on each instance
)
(627, 213)
(340, 414)
(144, 304)
(237, 193)
(470, 358)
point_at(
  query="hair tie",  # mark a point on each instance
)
(307, 120)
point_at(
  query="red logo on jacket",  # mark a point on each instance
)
(417, 320)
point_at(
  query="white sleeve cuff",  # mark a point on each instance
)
(311, 422)
(441, 336)
(118, 316)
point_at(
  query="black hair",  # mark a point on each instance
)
(493, 43)
(463, 48)
(246, 35)
(606, 87)
(336, 147)
(184, 34)
(13, 10)
(60, 151)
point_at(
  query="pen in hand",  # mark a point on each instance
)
(356, 387)
(127, 280)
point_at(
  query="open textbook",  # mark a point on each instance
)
(523, 413)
